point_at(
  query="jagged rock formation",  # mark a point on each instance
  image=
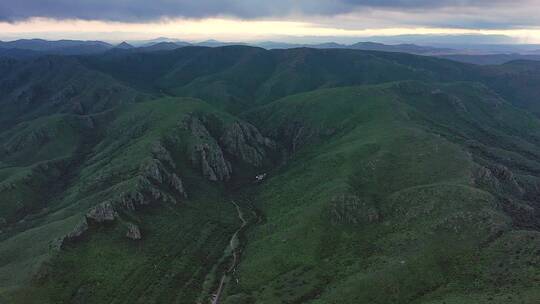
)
(245, 142)
(507, 178)
(518, 201)
(76, 234)
(157, 179)
(79, 230)
(240, 141)
(155, 184)
(210, 159)
(101, 213)
(498, 178)
(206, 152)
(133, 232)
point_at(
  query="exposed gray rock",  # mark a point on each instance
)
(499, 179)
(482, 176)
(145, 193)
(103, 212)
(74, 235)
(79, 230)
(133, 232)
(457, 103)
(196, 127)
(239, 140)
(162, 154)
(176, 183)
(206, 153)
(131, 199)
(153, 170)
(7, 186)
(246, 143)
(213, 164)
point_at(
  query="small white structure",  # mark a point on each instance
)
(260, 177)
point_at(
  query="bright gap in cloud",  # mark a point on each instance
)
(226, 29)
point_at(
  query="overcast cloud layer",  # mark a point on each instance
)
(513, 13)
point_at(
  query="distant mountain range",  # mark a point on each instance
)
(367, 46)
(476, 54)
(63, 47)
(490, 59)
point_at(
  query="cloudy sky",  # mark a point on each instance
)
(236, 20)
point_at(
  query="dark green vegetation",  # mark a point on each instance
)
(491, 59)
(393, 178)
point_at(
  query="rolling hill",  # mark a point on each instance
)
(130, 177)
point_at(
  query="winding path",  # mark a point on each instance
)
(233, 245)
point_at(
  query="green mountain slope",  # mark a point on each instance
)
(392, 197)
(133, 165)
(238, 77)
(391, 178)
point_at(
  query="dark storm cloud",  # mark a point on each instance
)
(137, 10)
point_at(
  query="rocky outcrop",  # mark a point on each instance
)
(237, 141)
(154, 170)
(245, 142)
(157, 181)
(499, 179)
(517, 200)
(130, 199)
(206, 153)
(101, 213)
(161, 153)
(194, 125)
(76, 234)
(351, 209)
(79, 230)
(145, 193)
(133, 232)
(209, 158)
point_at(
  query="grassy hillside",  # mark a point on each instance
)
(385, 201)
(238, 77)
(392, 178)
(145, 160)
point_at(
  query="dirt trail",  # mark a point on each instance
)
(234, 244)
